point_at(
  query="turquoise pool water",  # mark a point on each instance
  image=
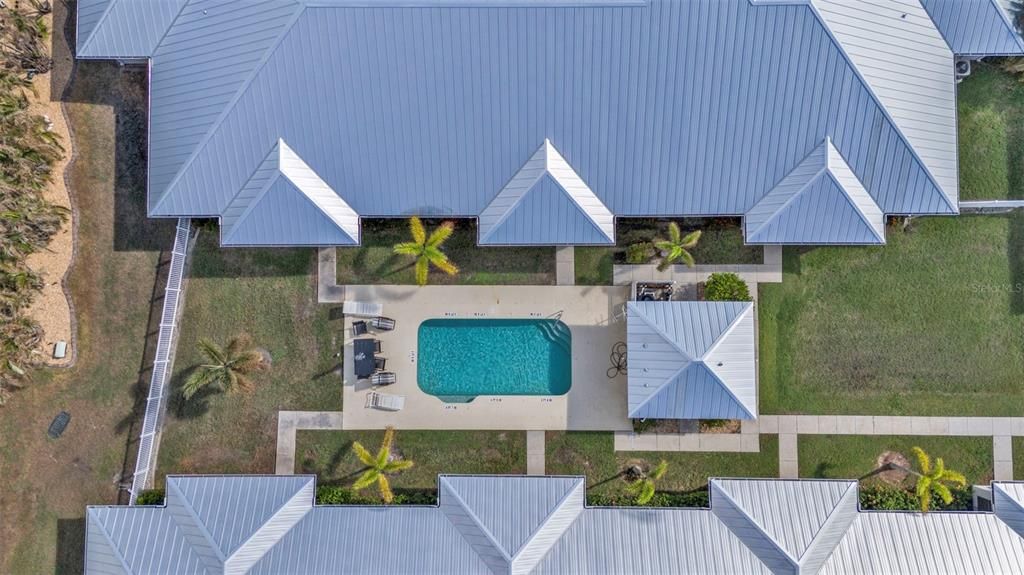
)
(459, 359)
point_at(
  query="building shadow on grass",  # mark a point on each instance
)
(125, 90)
(1015, 254)
(70, 546)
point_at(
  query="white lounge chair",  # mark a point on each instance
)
(385, 401)
(363, 309)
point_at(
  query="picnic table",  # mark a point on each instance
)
(362, 352)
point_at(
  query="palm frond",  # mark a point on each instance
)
(687, 258)
(242, 383)
(442, 233)
(382, 458)
(954, 477)
(690, 240)
(659, 471)
(408, 249)
(664, 245)
(368, 478)
(212, 351)
(445, 265)
(923, 461)
(422, 271)
(396, 466)
(646, 493)
(385, 488)
(239, 345)
(363, 454)
(419, 233)
(673, 232)
(200, 377)
(943, 492)
(389, 438)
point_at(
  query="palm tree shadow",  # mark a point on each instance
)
(191, 408)
(618, 475)
(330, 469)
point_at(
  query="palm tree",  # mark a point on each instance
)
(932, 479)
(643, 488)
(378, 467)
(675, 247)
(427, 250)
(227, 369)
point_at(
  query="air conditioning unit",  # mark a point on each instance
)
(962, 69)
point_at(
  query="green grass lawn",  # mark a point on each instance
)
(853, 456)
(990, 104)
(375, 263)
(1018, 458)
(592, 454)
(329, 455)
(930, 324)
(269, 294)
(721, 243)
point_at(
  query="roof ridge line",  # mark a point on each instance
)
(831, 515)
(95, 27)
(831, 174)
(662, 386)
(476, 521)
(195, 517)
(305, 510)
(282, 148)
(757, 525)
(665, 336)
(174, 21)
(558, 507)
(812, 5)
(519, 200)
(792, 198)
(230, 106)
(739, 317)
(586, 213)
(259, 196)
(108, 539)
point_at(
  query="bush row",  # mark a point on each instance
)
(880, 497)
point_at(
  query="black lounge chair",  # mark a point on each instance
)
(383, 323)
(379, 363)
(359, 328)
(382, 378)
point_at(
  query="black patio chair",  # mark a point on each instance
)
(376, 346)
(379, 363)
(359, 328)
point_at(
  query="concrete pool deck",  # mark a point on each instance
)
(593, 314)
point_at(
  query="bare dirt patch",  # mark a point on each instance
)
(892, 476)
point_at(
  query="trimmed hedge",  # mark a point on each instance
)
(725, 286)
(340, 495)
(150, 497)
(880, 497)
(697, 498)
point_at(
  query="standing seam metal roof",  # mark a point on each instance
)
(662, 107)
(815, 516)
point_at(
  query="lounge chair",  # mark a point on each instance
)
(376, 346)
(363, 309)
(383, 323)
(382, 378)
(359, 328)
(379, 363)
(385, 401)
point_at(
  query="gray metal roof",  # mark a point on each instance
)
(661, 107)
(975, 27)
(541, 525)
(821, 201)
(691, 360)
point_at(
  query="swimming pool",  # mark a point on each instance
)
(459, 359)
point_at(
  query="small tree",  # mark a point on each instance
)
(932, 479)
(228, 368)
(427, 250)
(726, 287)
(676, 247)
(378, 467)
(644, 486)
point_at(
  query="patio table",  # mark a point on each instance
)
(362, 352)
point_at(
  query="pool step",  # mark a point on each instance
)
(558, 333)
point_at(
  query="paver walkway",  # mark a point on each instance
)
(535, 452)
(768, 272)
(565, 266)
(288, 422)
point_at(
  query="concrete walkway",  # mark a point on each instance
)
(288, 422)
(327, 288)
(789, 427)
(535, 452)
(768, 272)
(565, 266)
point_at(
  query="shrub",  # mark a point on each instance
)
(639, 253)
(150, 497)
(698, 498)
(726, 287)
(340, 495)
(643, 425)
(881, 497)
